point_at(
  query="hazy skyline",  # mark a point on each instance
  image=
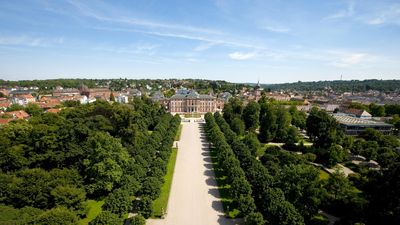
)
(239, 41)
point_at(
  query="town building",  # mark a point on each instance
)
(354, 126)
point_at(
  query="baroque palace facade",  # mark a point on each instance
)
(189, 101)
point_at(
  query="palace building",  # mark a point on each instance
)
(189, 101)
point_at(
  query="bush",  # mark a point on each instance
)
(118, 202)
(138, 220)
(106, 218)
(57, 216)
(254, 219)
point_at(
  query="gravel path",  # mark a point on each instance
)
(194, 197)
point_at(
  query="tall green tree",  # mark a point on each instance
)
(105, 162)
(268, 124)
(322, 128)
(251, 114)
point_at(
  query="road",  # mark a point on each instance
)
(194, 197)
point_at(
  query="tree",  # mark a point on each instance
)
(105, 162)
(336, 155)
(302, 187)
(254, 218)
(57, 216)
(246, 204)
(151, 187)
(298, 117)
(106, 218)
(33, 109)
(112, 97)
(267, 123)
(338, 186)
(280, 211)
(322, 128)
(138, 220)
(292, 136)
(383, 193)
(118, 202)
(377, 110)
(252, 143)
(69, 196)
(251, 114)
(144, 206)
(238, 126)
(15, 107)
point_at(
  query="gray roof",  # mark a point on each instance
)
(191, 95)
(353, 121)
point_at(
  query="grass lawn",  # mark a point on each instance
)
(261, 151)
(223, 186)
(160, 204)
(93, 208)
(323, 175)
(178, 134)
(192, 115)
(150, 132)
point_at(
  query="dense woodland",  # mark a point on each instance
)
(339, 85)
(54, 164)
(202, 86)
(279, 186)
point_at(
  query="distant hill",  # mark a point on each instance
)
(338, 85)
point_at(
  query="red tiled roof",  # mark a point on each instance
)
(4, 121)
(53, 110)
(20, 114)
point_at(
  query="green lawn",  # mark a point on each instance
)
(93, 208)
(178, 134)
(223, 187)
(323, 175)
(192, 115)
(160, 204)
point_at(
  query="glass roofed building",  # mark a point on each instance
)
(354, 126)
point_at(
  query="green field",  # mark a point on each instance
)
(192, 115)
(93, 208)
(160, 204)
(178, 134)
(223, 187)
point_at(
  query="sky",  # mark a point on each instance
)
(273, 41)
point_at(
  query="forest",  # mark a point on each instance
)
(89, 164)
(273, 184)
(339, 85)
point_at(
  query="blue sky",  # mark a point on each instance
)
(236, 40)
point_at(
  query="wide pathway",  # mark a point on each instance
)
(194, 197)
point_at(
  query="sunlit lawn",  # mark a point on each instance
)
(160, 204)
(323, 175)
(178, 134)
(93, 208)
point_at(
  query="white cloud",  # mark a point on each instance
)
(276, 29)
(348, 12)
(118, 17)
(242, 56)
(25, 40)
(388, 15)
(339, 58)
(204, 46)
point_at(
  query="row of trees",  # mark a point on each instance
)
(240, 189)
(270, 200)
